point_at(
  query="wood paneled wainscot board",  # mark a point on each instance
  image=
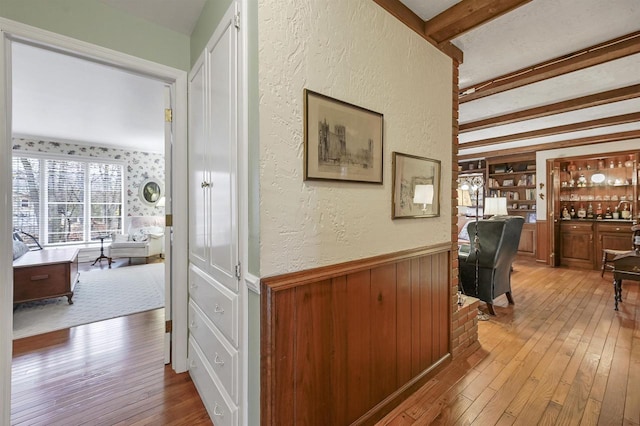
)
(342, 344)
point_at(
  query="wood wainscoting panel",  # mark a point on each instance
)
(542, 252)
(341, 347)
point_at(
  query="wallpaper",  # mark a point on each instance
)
(139, 166)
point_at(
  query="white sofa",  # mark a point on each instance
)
(144, 237)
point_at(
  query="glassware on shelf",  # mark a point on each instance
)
(629, 162)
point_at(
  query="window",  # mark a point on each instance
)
(71, 201)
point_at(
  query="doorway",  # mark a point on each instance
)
(176, 81)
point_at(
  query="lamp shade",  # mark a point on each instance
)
(495, 206)
(161, 202)
(423, 194)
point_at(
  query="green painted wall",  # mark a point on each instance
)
(95, 22)
(212, 13)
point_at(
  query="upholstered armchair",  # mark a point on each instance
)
(498, 245)
(144, 238)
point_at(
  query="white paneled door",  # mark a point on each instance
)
(215, 300)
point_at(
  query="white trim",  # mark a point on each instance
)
(6, 259)
(12, 30)
(242, 8)
(253, 282)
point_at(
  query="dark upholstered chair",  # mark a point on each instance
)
(498, 245)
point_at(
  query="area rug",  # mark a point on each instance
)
(99, 295)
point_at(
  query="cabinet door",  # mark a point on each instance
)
(222, 159)
(612, 236)
(198, 176)
(576, 246)
(527, 245)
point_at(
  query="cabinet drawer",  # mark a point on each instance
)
(624, 228)
(577, 227)
(221, 409)
(217, 303)
(222, 357)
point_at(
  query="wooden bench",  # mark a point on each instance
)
(45, 274)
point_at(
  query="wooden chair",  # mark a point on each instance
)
(609, 254)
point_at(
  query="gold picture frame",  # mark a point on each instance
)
(416, 186)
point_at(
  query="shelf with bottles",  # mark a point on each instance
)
(597, 211)
(599, 188)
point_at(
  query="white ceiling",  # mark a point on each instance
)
(63, 98)
(81, 101)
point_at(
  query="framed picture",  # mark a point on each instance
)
(416, 186)
(341, 141)
(507, 182)
(150, 191)
(531, 218)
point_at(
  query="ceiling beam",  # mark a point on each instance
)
(602, 98)
(557, 130)
(590, 140)
(413, 21)
(465, 16)
(594, 55)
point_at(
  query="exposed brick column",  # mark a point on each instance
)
(464, 319)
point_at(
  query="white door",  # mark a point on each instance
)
(198, 175)
(222, 156)
(213, 211)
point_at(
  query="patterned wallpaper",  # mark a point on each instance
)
(139, 167)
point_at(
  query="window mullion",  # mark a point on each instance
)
(87, 203)
(44, 200)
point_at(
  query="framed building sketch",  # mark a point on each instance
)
(416, 186)
(341, 141)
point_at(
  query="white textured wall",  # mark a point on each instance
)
(354, 51)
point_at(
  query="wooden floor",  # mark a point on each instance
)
(560, 356)
(105, 373)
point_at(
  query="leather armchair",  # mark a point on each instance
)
(498, 245)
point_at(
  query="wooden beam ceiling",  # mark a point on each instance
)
(466, 15)
(602, 98)
(558, 130)
(413, 21)
(613, 137)
(594, 55)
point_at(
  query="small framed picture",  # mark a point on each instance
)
(507, 182)
(531, 218)
(416, 187)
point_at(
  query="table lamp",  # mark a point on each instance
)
(423, 194)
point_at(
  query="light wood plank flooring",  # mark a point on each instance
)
(560, 356)
(105, 373)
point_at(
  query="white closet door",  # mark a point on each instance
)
(222, 60)
(198, 174)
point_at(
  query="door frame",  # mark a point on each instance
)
(177, 79)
